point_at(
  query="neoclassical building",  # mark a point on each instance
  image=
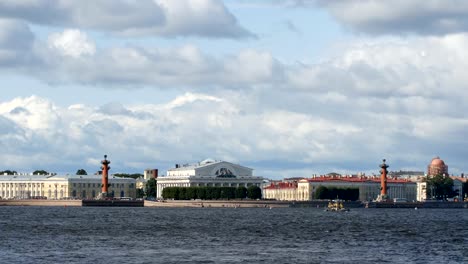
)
(281, 191)
(62, 187)
(208, 173)
(369, 188)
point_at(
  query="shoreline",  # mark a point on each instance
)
(243, 204)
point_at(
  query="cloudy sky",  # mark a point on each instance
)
(287, 87)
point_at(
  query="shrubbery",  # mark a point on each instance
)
(329, 193)
(211, 193)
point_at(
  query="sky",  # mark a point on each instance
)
(290, 88)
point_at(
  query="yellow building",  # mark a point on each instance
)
(281, 191)
(62, 187)
(369, 188)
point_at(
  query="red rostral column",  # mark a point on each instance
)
(383, 180)
(105, 172)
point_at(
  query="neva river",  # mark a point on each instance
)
(229, 235)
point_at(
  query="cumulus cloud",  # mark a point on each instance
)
(200, 17)
(16, 43)
(426, 17)
(241, 129)
(207, 18)
(402, 99)
(72, 42)
(71, 56)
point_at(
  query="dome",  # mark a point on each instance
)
(437, 162)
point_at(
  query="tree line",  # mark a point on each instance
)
(330, 193)
(440, 187)
(212, 193)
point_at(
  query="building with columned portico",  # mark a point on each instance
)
(62, 187)
(208, 173)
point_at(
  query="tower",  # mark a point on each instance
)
(105, 179)
(383, 182)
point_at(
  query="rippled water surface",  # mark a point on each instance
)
(228, 235)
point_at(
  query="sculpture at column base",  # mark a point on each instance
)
(382, 198)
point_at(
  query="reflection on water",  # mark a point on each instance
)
(228, 235)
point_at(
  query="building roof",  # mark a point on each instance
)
(462, 179)
(52, 177)
(354, 179)
(204, 163)
(281, 185)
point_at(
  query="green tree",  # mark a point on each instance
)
(321, 193)
(8, 172)
(182, 193)
(201, 193)
(151, 188)
(241, 192)
(127, 175)
(191, 193)
(40, 172)
(254, 192)
(440, 187)
(228, 193)
(140, 193)
(81, 172)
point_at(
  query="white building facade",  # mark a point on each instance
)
(369, 188)
(208, 173)
(62, 187)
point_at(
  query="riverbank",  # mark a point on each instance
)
(63, 203)
(146, 203)
(219, 204)
(232, 203)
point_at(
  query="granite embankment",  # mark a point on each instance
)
(235, 204)
(64, 203)
(40, 202)
(207, 203)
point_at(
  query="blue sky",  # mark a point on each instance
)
(290, 88)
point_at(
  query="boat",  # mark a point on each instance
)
(336, 206)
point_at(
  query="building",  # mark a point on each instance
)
(150, 174)
(281, 191)
(437, 167)
(458, 182)
(208, 173)
(369, 187)
(62, 187)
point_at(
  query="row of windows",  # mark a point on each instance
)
(117, 185)
(23, 184)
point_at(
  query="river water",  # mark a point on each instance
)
(231, 235)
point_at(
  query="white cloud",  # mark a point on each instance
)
(16, 44)
(72, 42)
(200, 17)
(427, 17)
(206, 18)
(242, 129)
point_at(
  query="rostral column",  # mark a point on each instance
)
(383, 181)
(105, 172)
